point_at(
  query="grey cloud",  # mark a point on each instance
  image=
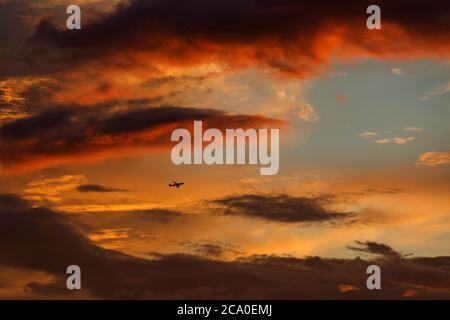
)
(98, 188)
(282, 208)
(375, 248)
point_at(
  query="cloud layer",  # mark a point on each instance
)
(42, 240)
(295, 38)
(78, 134)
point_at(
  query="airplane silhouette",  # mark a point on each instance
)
(176, 184)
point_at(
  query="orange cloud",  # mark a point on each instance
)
(66, 135)
(434, 158)
(347, 288)
(290, 38)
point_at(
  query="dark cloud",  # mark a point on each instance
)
(290, 36)
(160, 215)
(14, 32)
(391, 190)
(282, 208)
(376, 248)
(172, 80)
(11, 201)
(98, 188)
(140, 220)
(40, 239)
(47, 121)
(210, 249)
(141, 119)
(213, 249)
(18, 22)
(11, 27)
(65, 134)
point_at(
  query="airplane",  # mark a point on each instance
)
(176, 184)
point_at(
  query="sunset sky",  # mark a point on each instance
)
(85, 123)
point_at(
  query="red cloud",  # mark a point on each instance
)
(296, 38)
(65, 135)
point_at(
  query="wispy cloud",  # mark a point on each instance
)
(397, 71)
(368, 134)
(400, 140)
(45, 190)
(434, 158)
(98, 188)
(379, 137)
(339, 74)
(413, 129)
(307, 113)
(438, 90)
